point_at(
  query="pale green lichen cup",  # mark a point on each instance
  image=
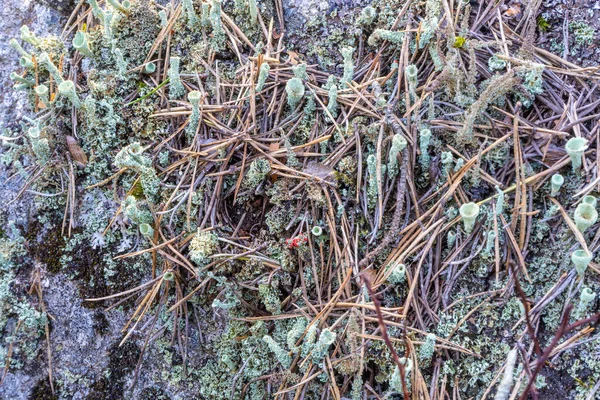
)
(581, 259)
(585, 216)
(575, 148)
(556, 183)
(146, 230)
(591, 200)
(469, 213)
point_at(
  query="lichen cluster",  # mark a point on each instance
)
(378, 224)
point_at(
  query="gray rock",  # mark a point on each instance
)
(13, 15)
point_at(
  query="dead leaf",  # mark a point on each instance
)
(76, 152)
(293, 57)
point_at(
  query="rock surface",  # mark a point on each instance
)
(78, 348)
(14, 14)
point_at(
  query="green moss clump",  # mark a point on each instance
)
(543, 24)
(459, 42)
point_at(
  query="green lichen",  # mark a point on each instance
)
(398, 144)
(270, 297)
(202, 246)
(373, 189)
(424, 140)
(321, 347)
(218, 40)
(367, 16)
(347, 53)
(295, 333)
(132, 157)
(397, 274)
(383, 34)
(176, 89)
(281, 354)
(257, 172)
(583, 32)
(262, 76)
(332, 104)
(427, 349)
(495, 63)
(295, 91)
(190, 13)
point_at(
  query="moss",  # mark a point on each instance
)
(154, 393)
(542, 24)
(459, 42)
(93, 271)
(47, 248)
(43, 391)
(121, 362)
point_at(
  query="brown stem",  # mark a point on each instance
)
(385, 336)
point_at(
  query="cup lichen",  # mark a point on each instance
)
(585, 216)
(194, 98)
(591, 200)
(469, 213)
(81, 43)
(347, 53)
(581, 259)
(28, 36)
(146, 230)
(150, 68)
(67, 89)
(42, 92)
(398, 145)
(586, 297)
(397, 274)
(504, 388)
(411, 72)
(44, 58)
(556, 183)
(424, 140)
(575, 148)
